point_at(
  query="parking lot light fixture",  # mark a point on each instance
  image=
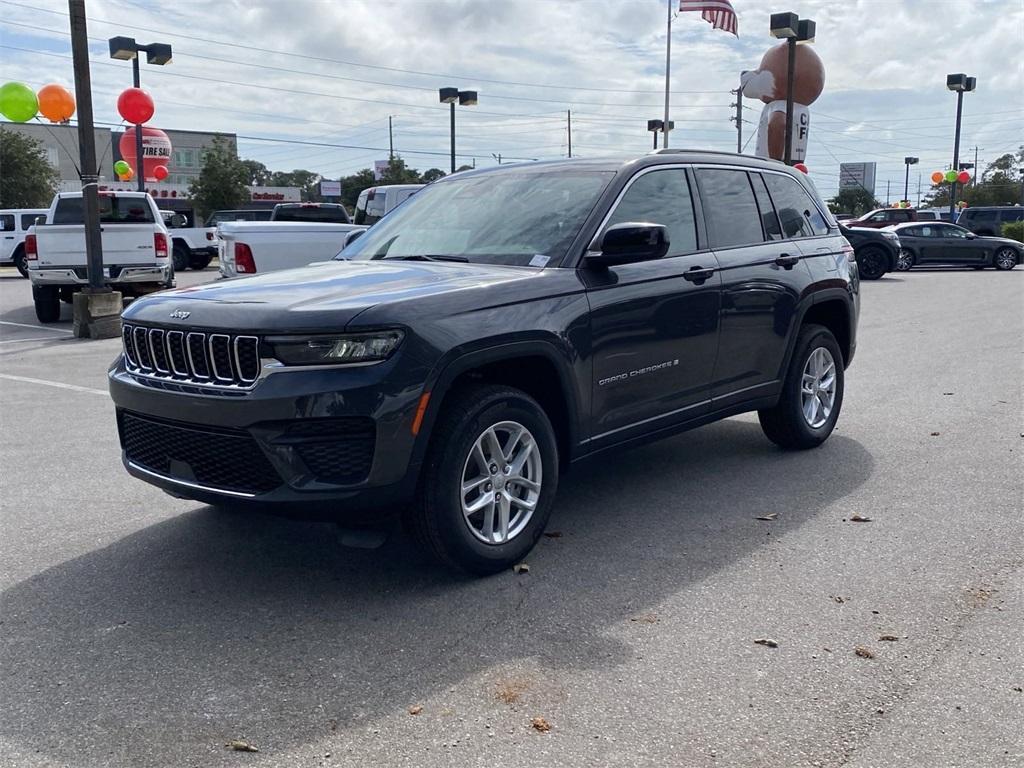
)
(659, 125)
(908, 161)
(451, 96)
(126, 49)
(960, 83)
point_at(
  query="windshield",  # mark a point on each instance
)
(517, 219)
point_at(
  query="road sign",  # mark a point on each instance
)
(857, 176)
(330, 189)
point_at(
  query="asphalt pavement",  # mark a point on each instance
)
(141, 630)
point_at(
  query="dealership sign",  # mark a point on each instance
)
(857, 176)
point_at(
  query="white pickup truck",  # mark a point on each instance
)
(136, 257)
(250, 247)
(14, 225)
(191, 247)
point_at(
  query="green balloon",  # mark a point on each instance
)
(18, 102)
(951, 176)
(121, 167)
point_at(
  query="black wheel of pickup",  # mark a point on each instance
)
(47, 301)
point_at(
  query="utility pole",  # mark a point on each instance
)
(887, 183)
(497, 157)
(568, 123)
(975, 166)
(668, 67)
(97, 309)
(918, 190)
(739, 118)
(391, 141)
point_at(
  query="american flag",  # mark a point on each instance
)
(718, 13)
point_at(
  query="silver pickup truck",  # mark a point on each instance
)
(136, 256)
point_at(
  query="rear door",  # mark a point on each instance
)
(654, 324)
(9, 237)
(763, 277)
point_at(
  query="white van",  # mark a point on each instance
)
(14, 224)
(374, 202)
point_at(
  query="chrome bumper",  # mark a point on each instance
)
(60, 276)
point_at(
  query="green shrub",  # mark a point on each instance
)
(1014, 230)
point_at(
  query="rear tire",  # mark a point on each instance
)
(199, 262)
(812, 394)
(451, 522)
(19, 261)
(1005, 259)
(872, 263)
(47, 301)
(180, 257)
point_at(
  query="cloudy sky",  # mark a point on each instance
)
(310, 84)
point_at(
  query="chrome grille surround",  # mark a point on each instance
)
(191, 357)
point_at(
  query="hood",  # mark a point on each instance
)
(1004, 240)
(316, 298)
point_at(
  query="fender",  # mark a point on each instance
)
(460, 360)
(808, 301)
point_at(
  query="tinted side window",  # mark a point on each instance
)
(661, 197)
(7, 223)
(28, 219)
(729, 207)
(799, 215)
(769, 218)
(980, 216)
(901, 216)
(1012, 215)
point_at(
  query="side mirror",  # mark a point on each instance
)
(352, 236)
(629, 242)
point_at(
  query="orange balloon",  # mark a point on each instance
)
(56, 103)
(937, 177)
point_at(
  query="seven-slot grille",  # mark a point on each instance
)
(195, 357)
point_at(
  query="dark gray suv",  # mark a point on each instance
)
(492, 330)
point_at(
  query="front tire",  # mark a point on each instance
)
(199, 262)
(489, 480)
(180, 258)
(872, 263)
(47, 302)
(812, 394)
(1005, 259)
(904, 261)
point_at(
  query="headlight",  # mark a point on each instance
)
(339, 349)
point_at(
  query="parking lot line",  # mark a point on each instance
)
(37, 327)
(22, 341)
(59, 384)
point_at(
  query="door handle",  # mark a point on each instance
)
(698, 274)
(786, 261)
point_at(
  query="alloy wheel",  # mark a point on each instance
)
(905, 261)
(818, 388)
(1006, 258)
(501, 482)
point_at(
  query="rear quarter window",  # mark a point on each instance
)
(29, 219)
(6, 222)
(798, 213)
(1017, 214)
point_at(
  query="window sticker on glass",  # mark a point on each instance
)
(539, 260)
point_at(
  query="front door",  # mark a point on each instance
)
(958, 247)
(654, 328)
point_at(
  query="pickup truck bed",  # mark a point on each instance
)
(248, 247)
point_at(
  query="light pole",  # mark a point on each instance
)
(908, 161)
(125, 49)
(1022, 186)
(960, 83)
(791, 28)
(659, 125)
(465, 98)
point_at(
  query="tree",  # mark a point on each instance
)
(397, 172)
(352, 185)
(307, 182)
(257, 172)
(27, 180)
(432, 174)
(999, 184)
(223, 182)
(855, 200)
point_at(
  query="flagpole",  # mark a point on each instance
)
(668, 67)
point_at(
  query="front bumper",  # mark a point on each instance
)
(327, 437)
(115, 275)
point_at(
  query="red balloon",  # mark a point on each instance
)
(135, 105)
(963, 177)
(156, 150)
(801, 167)
(160, 172)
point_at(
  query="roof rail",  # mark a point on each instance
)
(680, 150)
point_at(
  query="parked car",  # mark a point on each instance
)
(989, 220)
(136, 252)
(497, 327)
(323, 213)
(876, 250)
(192, 247)
(884, 217)
(944, 243)
(247, 248)
(256, 214)
(14, 225)
(373, 203)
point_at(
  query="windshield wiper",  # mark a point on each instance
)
(426, 257)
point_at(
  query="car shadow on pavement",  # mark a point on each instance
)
(215, 624)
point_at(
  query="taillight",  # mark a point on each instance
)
(160, 245)
(30, 248)
(850, 253)
(243, 259)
